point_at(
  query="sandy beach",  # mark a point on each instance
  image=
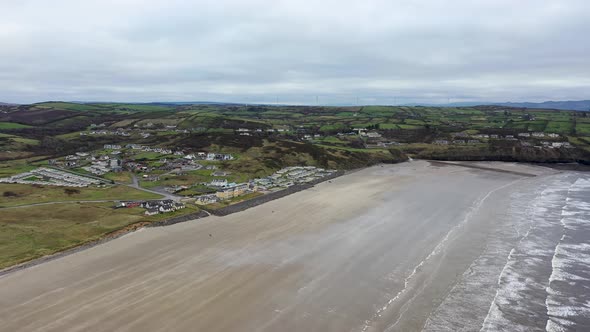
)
(408, 247)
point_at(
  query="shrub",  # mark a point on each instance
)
(71, 191)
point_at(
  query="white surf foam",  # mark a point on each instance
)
(519, 277)
(569, 275)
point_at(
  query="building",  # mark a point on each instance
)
(232, 191)
(151, 211)
(218, 156)
(156, 204)
(128, 204)
(134, 146)
(207, 199)
(561, 144)
(218, 183)
(116, 165)
(165, 208)
(373, 134)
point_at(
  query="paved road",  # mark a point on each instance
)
(135, 185)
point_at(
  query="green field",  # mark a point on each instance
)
(27, 233)
(12, 125)
(71, 106)
(559, 127)
(29, 194)
(122, 177)
(583, 129)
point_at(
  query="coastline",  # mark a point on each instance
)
(395, 238)
(247, 204)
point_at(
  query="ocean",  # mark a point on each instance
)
(542, 251)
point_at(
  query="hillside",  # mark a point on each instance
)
(580, 105)
(337, 137)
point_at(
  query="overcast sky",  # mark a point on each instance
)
(381, 52)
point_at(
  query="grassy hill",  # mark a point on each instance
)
(55, 127)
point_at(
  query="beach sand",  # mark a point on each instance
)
(388, 248)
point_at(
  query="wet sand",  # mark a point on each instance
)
(388, 248)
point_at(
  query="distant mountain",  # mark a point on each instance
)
(158, 103)
(572, 105)
(579, 105)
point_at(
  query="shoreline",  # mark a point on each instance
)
(491, 169)
(247, 204)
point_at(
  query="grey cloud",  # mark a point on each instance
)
(258, 51)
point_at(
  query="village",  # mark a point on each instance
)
(281, 179)
(370, 137)
(85, 169)
(525, 138)
(112, 159)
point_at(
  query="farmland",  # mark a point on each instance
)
(57, 127)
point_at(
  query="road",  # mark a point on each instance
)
(135, 185)
(58, 202)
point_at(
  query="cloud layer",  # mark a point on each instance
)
(380, 52)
